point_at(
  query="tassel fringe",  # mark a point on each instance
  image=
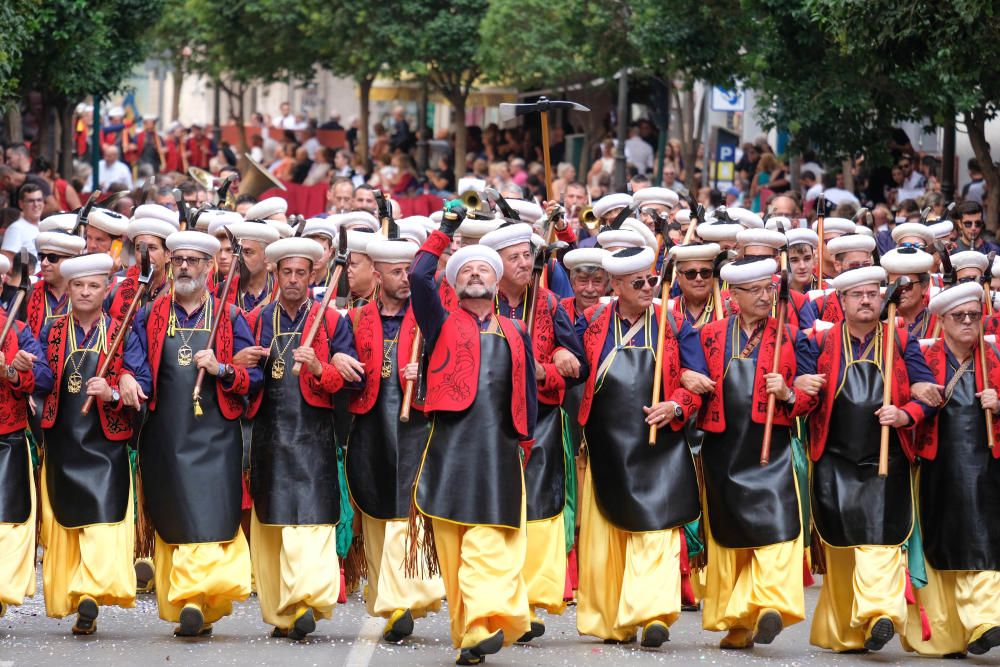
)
(816, 553)
(355, 565)
(145, 537)
(421, 551)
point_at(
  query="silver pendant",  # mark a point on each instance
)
(184, 355)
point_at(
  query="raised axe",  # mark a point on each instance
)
(19, 297)
(222, 301)
(222, 193)
(84, 211)
(505, 208)
(145, 277)
(783, 296)
(987, 279)
(720, 260)
(384, 212)
(660, 337)
(542, 106)
(340, 263)
(892, 295)
(182, 209)
(820, 219)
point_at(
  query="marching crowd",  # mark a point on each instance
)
(669, 404)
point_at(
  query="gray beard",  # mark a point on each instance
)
(476, 292)
(186, 286)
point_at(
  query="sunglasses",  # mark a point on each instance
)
(857, 265)
(691, 274)
(968, 279)
(973, 316)
(50, 257)
(913, 246)
(639, 283)
(969, 224)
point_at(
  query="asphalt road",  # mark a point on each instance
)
(137, 636)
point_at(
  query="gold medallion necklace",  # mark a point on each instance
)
(278, 365)
(387, 348)
(184, 353)
(74, 382)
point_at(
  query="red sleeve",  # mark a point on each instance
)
(330, 381)
(689, 402)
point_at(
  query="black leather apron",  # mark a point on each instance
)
(545, 474)
(852, 506)
(638, 488)
(383, 453)
(959, 490)
(87, 476)
(748, 505)
(471, 471)
(571, 405)
(191, 466)
(15, 484)
(293, 456)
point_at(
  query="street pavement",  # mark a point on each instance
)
(137, 636)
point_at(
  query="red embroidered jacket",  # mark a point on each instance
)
(925, 437)
(115, 419)
(599, 318)
(713, 339)
(14, 400)
(318, 390)
(369, 342)
(230, 400)
(830, 343)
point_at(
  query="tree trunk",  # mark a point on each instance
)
(15, 126)
(66, 140)
(42, 144)
(457, 100)
(365, 93)
(689, 140)
(975, 122)
(178, 81)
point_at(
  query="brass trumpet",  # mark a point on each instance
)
(588, 219)
(471, 200)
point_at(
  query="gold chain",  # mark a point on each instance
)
(387, 355)
(184, 353)
(278, 365)
(97, 336)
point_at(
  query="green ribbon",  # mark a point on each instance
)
(569, 509)
(345, 534)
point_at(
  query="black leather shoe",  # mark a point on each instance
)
(882, 631)
(86, 617)
(989, 639)
(399, 627)
(192, 622)
(304, 624)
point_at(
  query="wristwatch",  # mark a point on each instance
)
(678, 412)
(226, 371)
(791, 396)
(115, 396)
(11, 373)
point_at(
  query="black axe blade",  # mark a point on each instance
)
(948, 276)
(783, 288)
(234, 243)
(509, 111)
(821, 207)
(622, 216)
(506, 209)
(988, 273)
(25, 271)
(84, 211)
(182, 208)
(145, 266)
(341, 257)
(893, 293)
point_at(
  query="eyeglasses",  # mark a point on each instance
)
(639, 283)
(870, 295)
(758, 291)
(913, 245)
(691, 274)
(969, 224)
(34, 201)
(50, 257)
(972, 315)
(908, 287)
(193, 261)
(968, 279)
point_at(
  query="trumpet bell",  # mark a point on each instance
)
(255, 179)
(589, 219)
(202, 177)
(471, 200)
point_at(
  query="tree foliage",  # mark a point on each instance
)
(18, 25)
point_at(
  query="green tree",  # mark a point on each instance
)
(242, 44)
(925, 60)
(83, 47)
(18, 25)
(376, 46)
(443, 45)
(170, 40)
